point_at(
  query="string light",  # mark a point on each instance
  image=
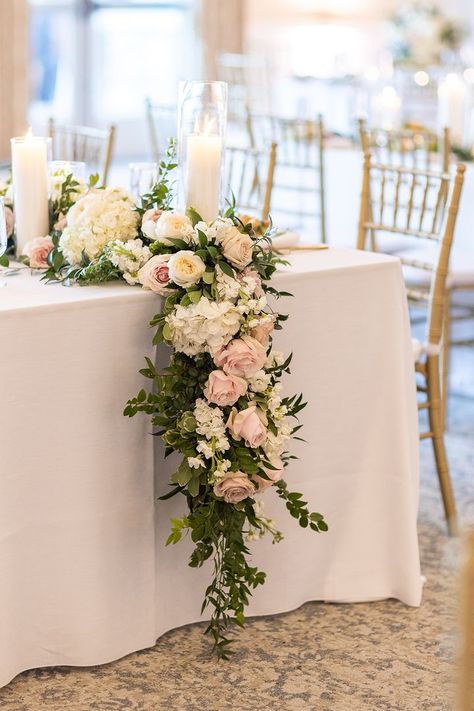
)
(421, 78)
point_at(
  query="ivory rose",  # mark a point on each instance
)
(186, 268)
(234, 488)
(243, 357)
(9, 220)
(37, 251)
(273, 474)
(149, 220)
(172, 224)
(237, 247)
(154, 275)
(223, 389)
(249, 425)
(262, 331)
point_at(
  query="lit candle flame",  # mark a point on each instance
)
(29, 134)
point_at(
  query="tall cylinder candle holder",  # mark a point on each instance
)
(202, 119)
(30, 155)
(453, 107)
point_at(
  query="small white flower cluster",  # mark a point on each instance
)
(217, 230)
(195, 462)
(128, 257)
(203, 327)
(275, 358)
(274, 445)
(252, 307)
(259, 382)
(220, 472)
(267, 525)
(96, 219)
(210, 424)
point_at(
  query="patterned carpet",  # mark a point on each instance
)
(364, 657)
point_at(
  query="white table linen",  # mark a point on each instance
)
(84, 574)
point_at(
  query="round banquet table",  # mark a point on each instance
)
(85, 577)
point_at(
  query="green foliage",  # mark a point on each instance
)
(161, 194)
(217, 529)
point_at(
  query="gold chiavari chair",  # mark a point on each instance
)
(249, 179)
(415, 148)
(409, 147)
(162, 125)
(299, 183)
(466, 677)
(420, 205)
(92, 146)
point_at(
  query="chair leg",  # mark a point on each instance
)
(445, 362)
(436, 427)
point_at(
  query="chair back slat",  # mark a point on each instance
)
(249, 179)
(92, 146)
(299, 173)
(418, 148)
(417, 194)
(162, 125)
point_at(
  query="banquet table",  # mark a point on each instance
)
(85, 577)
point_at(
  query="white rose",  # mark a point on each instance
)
(185, 268)
(173, 224)
(237, 248)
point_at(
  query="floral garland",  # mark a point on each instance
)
(421, 34)
(219, 402)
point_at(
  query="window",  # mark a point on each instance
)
(95, 61)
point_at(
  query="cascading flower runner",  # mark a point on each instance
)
(219, 402)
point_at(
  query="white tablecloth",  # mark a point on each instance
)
(84, 574)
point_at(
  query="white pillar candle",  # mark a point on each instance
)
(30, 188)
(203, 174)
(452, 107)
(387, 109)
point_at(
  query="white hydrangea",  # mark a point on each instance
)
(227, 287)
(248, 285)
(128, 257)
(96, 219)
(203, 327)
(211, 425)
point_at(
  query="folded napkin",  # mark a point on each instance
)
(285, 240)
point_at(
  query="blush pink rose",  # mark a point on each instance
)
(234, 488)
(273, 474)
(9, 220)
(224, 389)
(249, 425)
(37, 251)
(154, 275)
(243, 357)
(262, 332)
